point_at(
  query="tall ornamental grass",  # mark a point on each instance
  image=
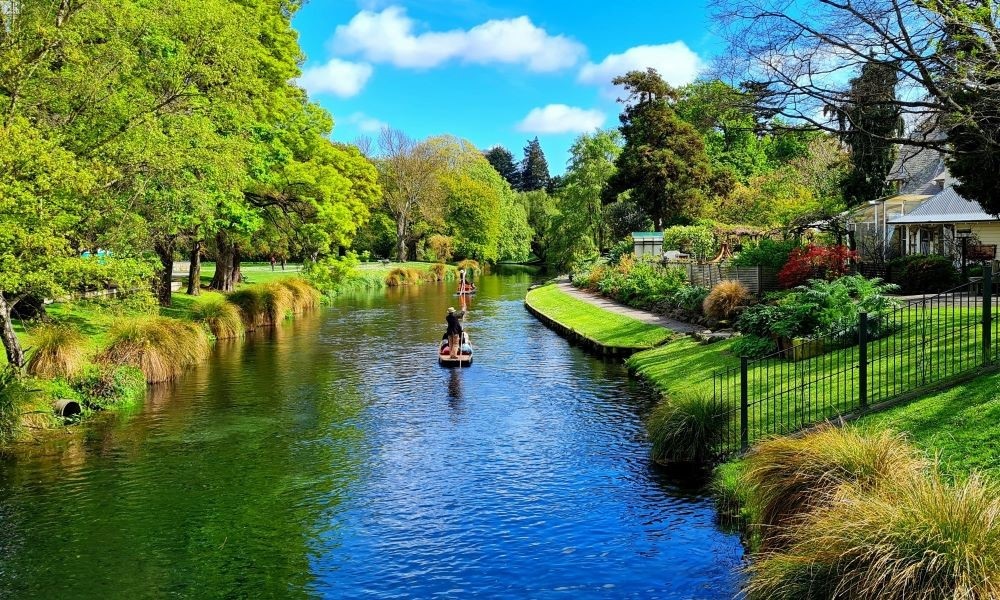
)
(59, 351)
(404, 276)
(160, 347)
(918, 538)
(725, 299)
(305, 297)
(222, 317)
(13, 396)
(262, 304)
(686, 428)
(787, 477)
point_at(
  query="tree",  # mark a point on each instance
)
(663, 163)
(868, 119)
(534, 168)
(944, 55)
(503, 161)
(591, 167)
(539, 208)
(409, 174)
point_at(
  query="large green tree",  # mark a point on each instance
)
(534, 168)
(503, 161)
(663, 163)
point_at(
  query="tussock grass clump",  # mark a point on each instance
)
(470, 265)
(438, 272)
(790, 476)
(916, 539)
(404, 276)
(60, 351)
(686, 428)
(304, 296)
(13, 396)
(222, 317)
(262, 304)
(725, 299)
(160, 347)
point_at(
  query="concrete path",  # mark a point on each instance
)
(639, 315)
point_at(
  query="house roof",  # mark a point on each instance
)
(895, 206)
(918, 168)
(647, 235)
(946, 207)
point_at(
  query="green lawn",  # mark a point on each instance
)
(254, 272)
(606, 328)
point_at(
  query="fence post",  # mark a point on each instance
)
(987, 313)
(744, 405)
(863, 360)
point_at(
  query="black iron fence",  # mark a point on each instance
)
(922, 343)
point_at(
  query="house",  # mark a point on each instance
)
(938, 225)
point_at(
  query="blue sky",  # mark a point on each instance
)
(491, 71)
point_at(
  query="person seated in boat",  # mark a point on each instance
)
(454, 333)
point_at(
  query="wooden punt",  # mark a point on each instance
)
(462, 360)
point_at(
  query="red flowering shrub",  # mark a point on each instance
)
(815, 262)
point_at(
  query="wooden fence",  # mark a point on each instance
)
(759, 280)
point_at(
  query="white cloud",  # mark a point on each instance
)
(365, 123)
(338, 77)
(388, 37)
(676, 63)
(559, 118)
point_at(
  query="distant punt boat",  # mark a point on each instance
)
(464, 359)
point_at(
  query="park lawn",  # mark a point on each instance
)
(604, 327)
(254, 272)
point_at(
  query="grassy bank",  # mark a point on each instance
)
(596, 324)
(101, 353)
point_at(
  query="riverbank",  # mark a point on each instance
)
(593, 326)
(101, 353)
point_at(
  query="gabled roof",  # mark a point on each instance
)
(945, 207)
(916, 167)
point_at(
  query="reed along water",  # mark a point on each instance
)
(333, 458)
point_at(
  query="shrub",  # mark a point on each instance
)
(440, 247)
(697, 240)
(790, 476)
(919, 538)
(330, 274)
(686, 428)
(690, 297)
(101, 386)
(753, 346)
(13, 396)
(765, 253)
(304, 296)
(725, 299)
(221, 316)
(620, 249)
(160, 347)
(262, 304)
(59, 351)
(758, 320)
(815, 262)
(918, 274)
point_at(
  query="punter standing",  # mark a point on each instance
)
(454, 333)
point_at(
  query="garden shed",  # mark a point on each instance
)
(648, 243)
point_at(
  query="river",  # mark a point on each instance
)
(333, 458)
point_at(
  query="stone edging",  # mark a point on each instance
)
(582, 340)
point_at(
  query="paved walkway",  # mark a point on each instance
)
(639, 315)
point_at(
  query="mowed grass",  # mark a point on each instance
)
(252, 272)
(606, 328)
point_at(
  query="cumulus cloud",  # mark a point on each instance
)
(560, 118)
(389, 36)
(366, 123)
(338, 77)
(677, 63)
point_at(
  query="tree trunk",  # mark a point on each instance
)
(236, 276)
(165, 251)
(401, 241)
(11, 345)
(227, 264)
(194, 271)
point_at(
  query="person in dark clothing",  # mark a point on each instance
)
(454, 333)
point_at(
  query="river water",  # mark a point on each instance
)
(333, 458)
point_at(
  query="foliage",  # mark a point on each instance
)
(158, 346)
(697, 240)
(377, 236)
(59, 351)
(765, 253)
(640, 283)
(328, 274)
(515, 235)
(753, 346)
(686, 428)
(790, 476)
(725, 299)
(623, 217)
(470, 265)
(221, 317)
(918, 273)
(691, 297)
(663, 162)
(440, 247)
(101, 386)
(815, 262)
(13, 396)
(404, 276)
(534, 168)
(502, 160)
(439, 271)
(918, 537)
(620, 249)
(305, 297)
(540, 209)
(262, 304)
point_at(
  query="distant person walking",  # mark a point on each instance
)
(272, 262)
(454, 333)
